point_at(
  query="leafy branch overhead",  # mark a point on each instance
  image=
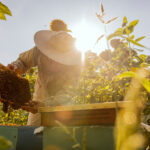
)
(4, 10)
(144, 81)
(104, 22)
(101, 16)
(125, 33)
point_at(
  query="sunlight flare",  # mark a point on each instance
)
(86, 34)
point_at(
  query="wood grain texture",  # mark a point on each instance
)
(78, 115)
(83, 107)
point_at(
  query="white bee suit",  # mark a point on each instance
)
(55, 78)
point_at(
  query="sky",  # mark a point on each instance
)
(29, 16)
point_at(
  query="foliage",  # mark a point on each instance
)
(107, 76)
(128, 135)
(126, 65)
(4, 10)
(98, 81)
(15, 117)
(4, 143)
(101, 18)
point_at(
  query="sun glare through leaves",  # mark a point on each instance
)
(86, 35)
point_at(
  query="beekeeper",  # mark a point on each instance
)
(59, 65)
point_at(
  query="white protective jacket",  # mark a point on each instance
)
(54, 82)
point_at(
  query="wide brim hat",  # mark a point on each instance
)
(58, 46)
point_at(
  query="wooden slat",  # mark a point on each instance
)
(78, 115)
(81, 117)
(83, 107)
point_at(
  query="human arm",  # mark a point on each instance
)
(25, 61)
(32, 106)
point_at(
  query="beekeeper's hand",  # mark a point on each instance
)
(14, 68)
(32, 106)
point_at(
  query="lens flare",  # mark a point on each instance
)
(86, 35)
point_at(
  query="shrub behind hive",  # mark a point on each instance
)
(14, 90)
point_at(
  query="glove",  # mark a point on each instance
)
(32, 106)
(14, 68)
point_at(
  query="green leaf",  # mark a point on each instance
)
(4, 9)
(128, 30)
(100, 18)
(143, 57)
(102, 10)
(126, 74)
(4, 143)
(99, 38)
(111, 20)
(65, 128)
(140, 50)
(118, 32)
(140, 38)
(135, 42)
(107, 87)
(112, 35)
(132, 37)
(2, 16)
(134, 23)
(125, 21)
(146, 84)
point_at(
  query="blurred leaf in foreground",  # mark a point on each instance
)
(127, 134)
(4, 143)
(4, 10)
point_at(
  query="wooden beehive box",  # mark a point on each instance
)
(84, 114)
